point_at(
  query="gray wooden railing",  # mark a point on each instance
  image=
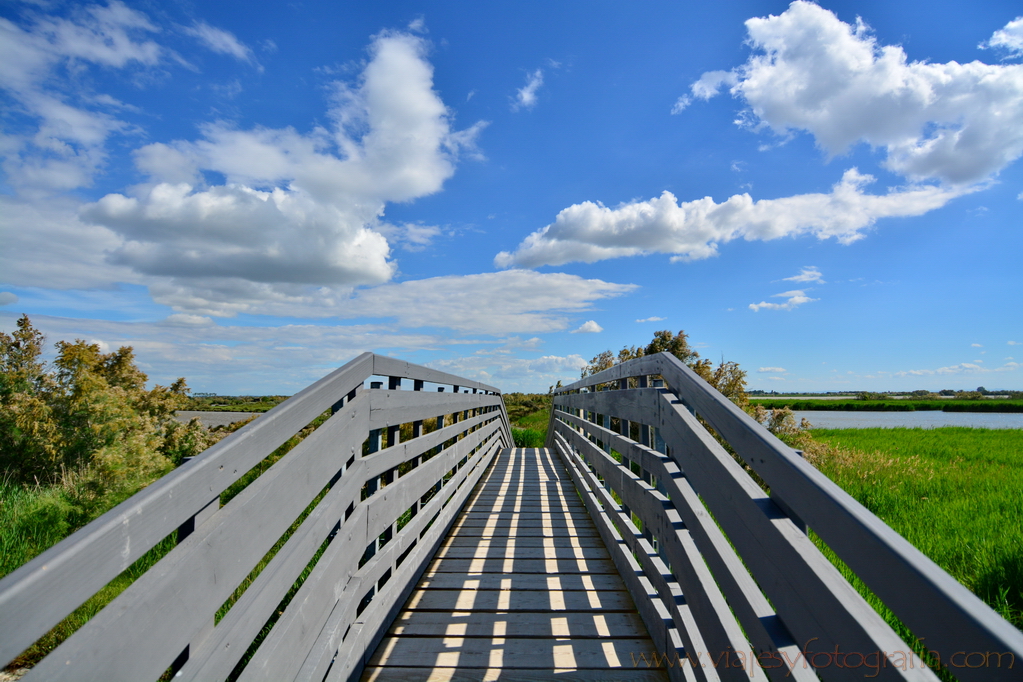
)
(377, 515)
(724, 573)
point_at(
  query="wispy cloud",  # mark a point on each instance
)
(220, 41)
(807, 274)
(525, 97)
(794, 298)
(652, 319)
(772, 370)
(961, 368)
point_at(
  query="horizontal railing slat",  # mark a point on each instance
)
(363, 638)
(752, 609)
(125, 641)
(305, 617)
(217, 656)
(390, 408)
(36, 596)
(651, 609)
(718, 626)
(393, 367)
(812, 597)
(923, 596)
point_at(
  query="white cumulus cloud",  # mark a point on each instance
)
(692, 230)
(298, 219)
(1009, 38)
(957, 123)
(588, 327)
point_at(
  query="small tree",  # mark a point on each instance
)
(727, 377)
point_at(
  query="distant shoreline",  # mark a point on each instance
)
(211, 419)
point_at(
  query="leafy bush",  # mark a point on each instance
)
(528, 438)
(89, 415)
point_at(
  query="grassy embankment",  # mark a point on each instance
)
(907, 405)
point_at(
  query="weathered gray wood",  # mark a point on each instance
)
(652, 610)
(389, 408)
(717, 625)
(927, 599)
(460, 674)
(390, 502)
(252, 611)
(531, 599)
(336, 583)
(362, 640)
(518, 600)
(549, 654)
(464, 542)
(758, 619)
(124, 641)
(654, 585)
(393, 367)
(39, 594)
(553, 624)
(521, 552)
(523, 581)
(809, 593)
(218, 655)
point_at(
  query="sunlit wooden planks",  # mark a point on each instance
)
(522, 588)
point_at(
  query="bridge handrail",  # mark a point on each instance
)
(347, 486)
(691, 494)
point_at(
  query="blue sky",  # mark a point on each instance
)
(252, 194)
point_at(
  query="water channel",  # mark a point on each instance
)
(925, 419)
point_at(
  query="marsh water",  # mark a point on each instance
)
(925, 419)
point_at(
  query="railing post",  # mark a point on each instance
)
(184, 530)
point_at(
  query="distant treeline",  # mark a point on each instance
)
(892, 405)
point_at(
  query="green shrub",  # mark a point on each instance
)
(528, 438)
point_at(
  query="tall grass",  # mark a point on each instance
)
(32, 519)
(953, 492)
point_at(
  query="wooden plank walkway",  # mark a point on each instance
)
(522, 589)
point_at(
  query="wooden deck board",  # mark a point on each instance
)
(522, 588)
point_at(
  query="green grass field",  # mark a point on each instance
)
(954, 493)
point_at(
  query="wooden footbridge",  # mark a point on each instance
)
(406, 538)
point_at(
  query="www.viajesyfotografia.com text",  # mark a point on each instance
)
(871, 662)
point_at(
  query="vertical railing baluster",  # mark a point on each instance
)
(184, 530)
